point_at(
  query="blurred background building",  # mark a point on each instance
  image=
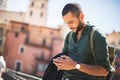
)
(29, 48)
(29, 44)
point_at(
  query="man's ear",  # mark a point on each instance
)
(81, 16)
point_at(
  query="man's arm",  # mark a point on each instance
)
(66, 63)
(93, 70)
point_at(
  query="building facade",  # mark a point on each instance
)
(29, 48)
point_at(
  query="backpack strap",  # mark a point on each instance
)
(93, 53)
(91, 44)
(92, 48)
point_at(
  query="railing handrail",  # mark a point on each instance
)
(23, 74)
(15, 76)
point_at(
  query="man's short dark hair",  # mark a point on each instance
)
(75, 8)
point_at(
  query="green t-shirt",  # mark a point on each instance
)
(80, 51)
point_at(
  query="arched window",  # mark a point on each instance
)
(18, 66)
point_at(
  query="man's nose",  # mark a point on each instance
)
(70, 26)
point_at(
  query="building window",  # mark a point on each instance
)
(18, 66)
(42, 5)
(16, 34)
(44, 42)
(41, 14)
(23, 29)
(22, 49)
(1, 41)
(42, 56)
(32, 4)
(1, 31)
(31, 13)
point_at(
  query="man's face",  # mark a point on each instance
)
(72, 21)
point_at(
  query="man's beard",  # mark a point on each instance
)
(79, 27)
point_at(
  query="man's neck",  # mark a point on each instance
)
(80, 33)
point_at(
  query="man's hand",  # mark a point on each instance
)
(64, 63)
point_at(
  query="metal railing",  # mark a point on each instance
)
(15, 75)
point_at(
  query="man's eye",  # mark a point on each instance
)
(70, 23)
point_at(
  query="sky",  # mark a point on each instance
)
(104, 14)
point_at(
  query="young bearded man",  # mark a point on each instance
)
(79, 64)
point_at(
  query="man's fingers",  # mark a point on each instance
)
(59, 59)
(64, 56)
(59, 66)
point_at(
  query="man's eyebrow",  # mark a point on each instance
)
(69, 22)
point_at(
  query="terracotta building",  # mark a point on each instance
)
(29, 48)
